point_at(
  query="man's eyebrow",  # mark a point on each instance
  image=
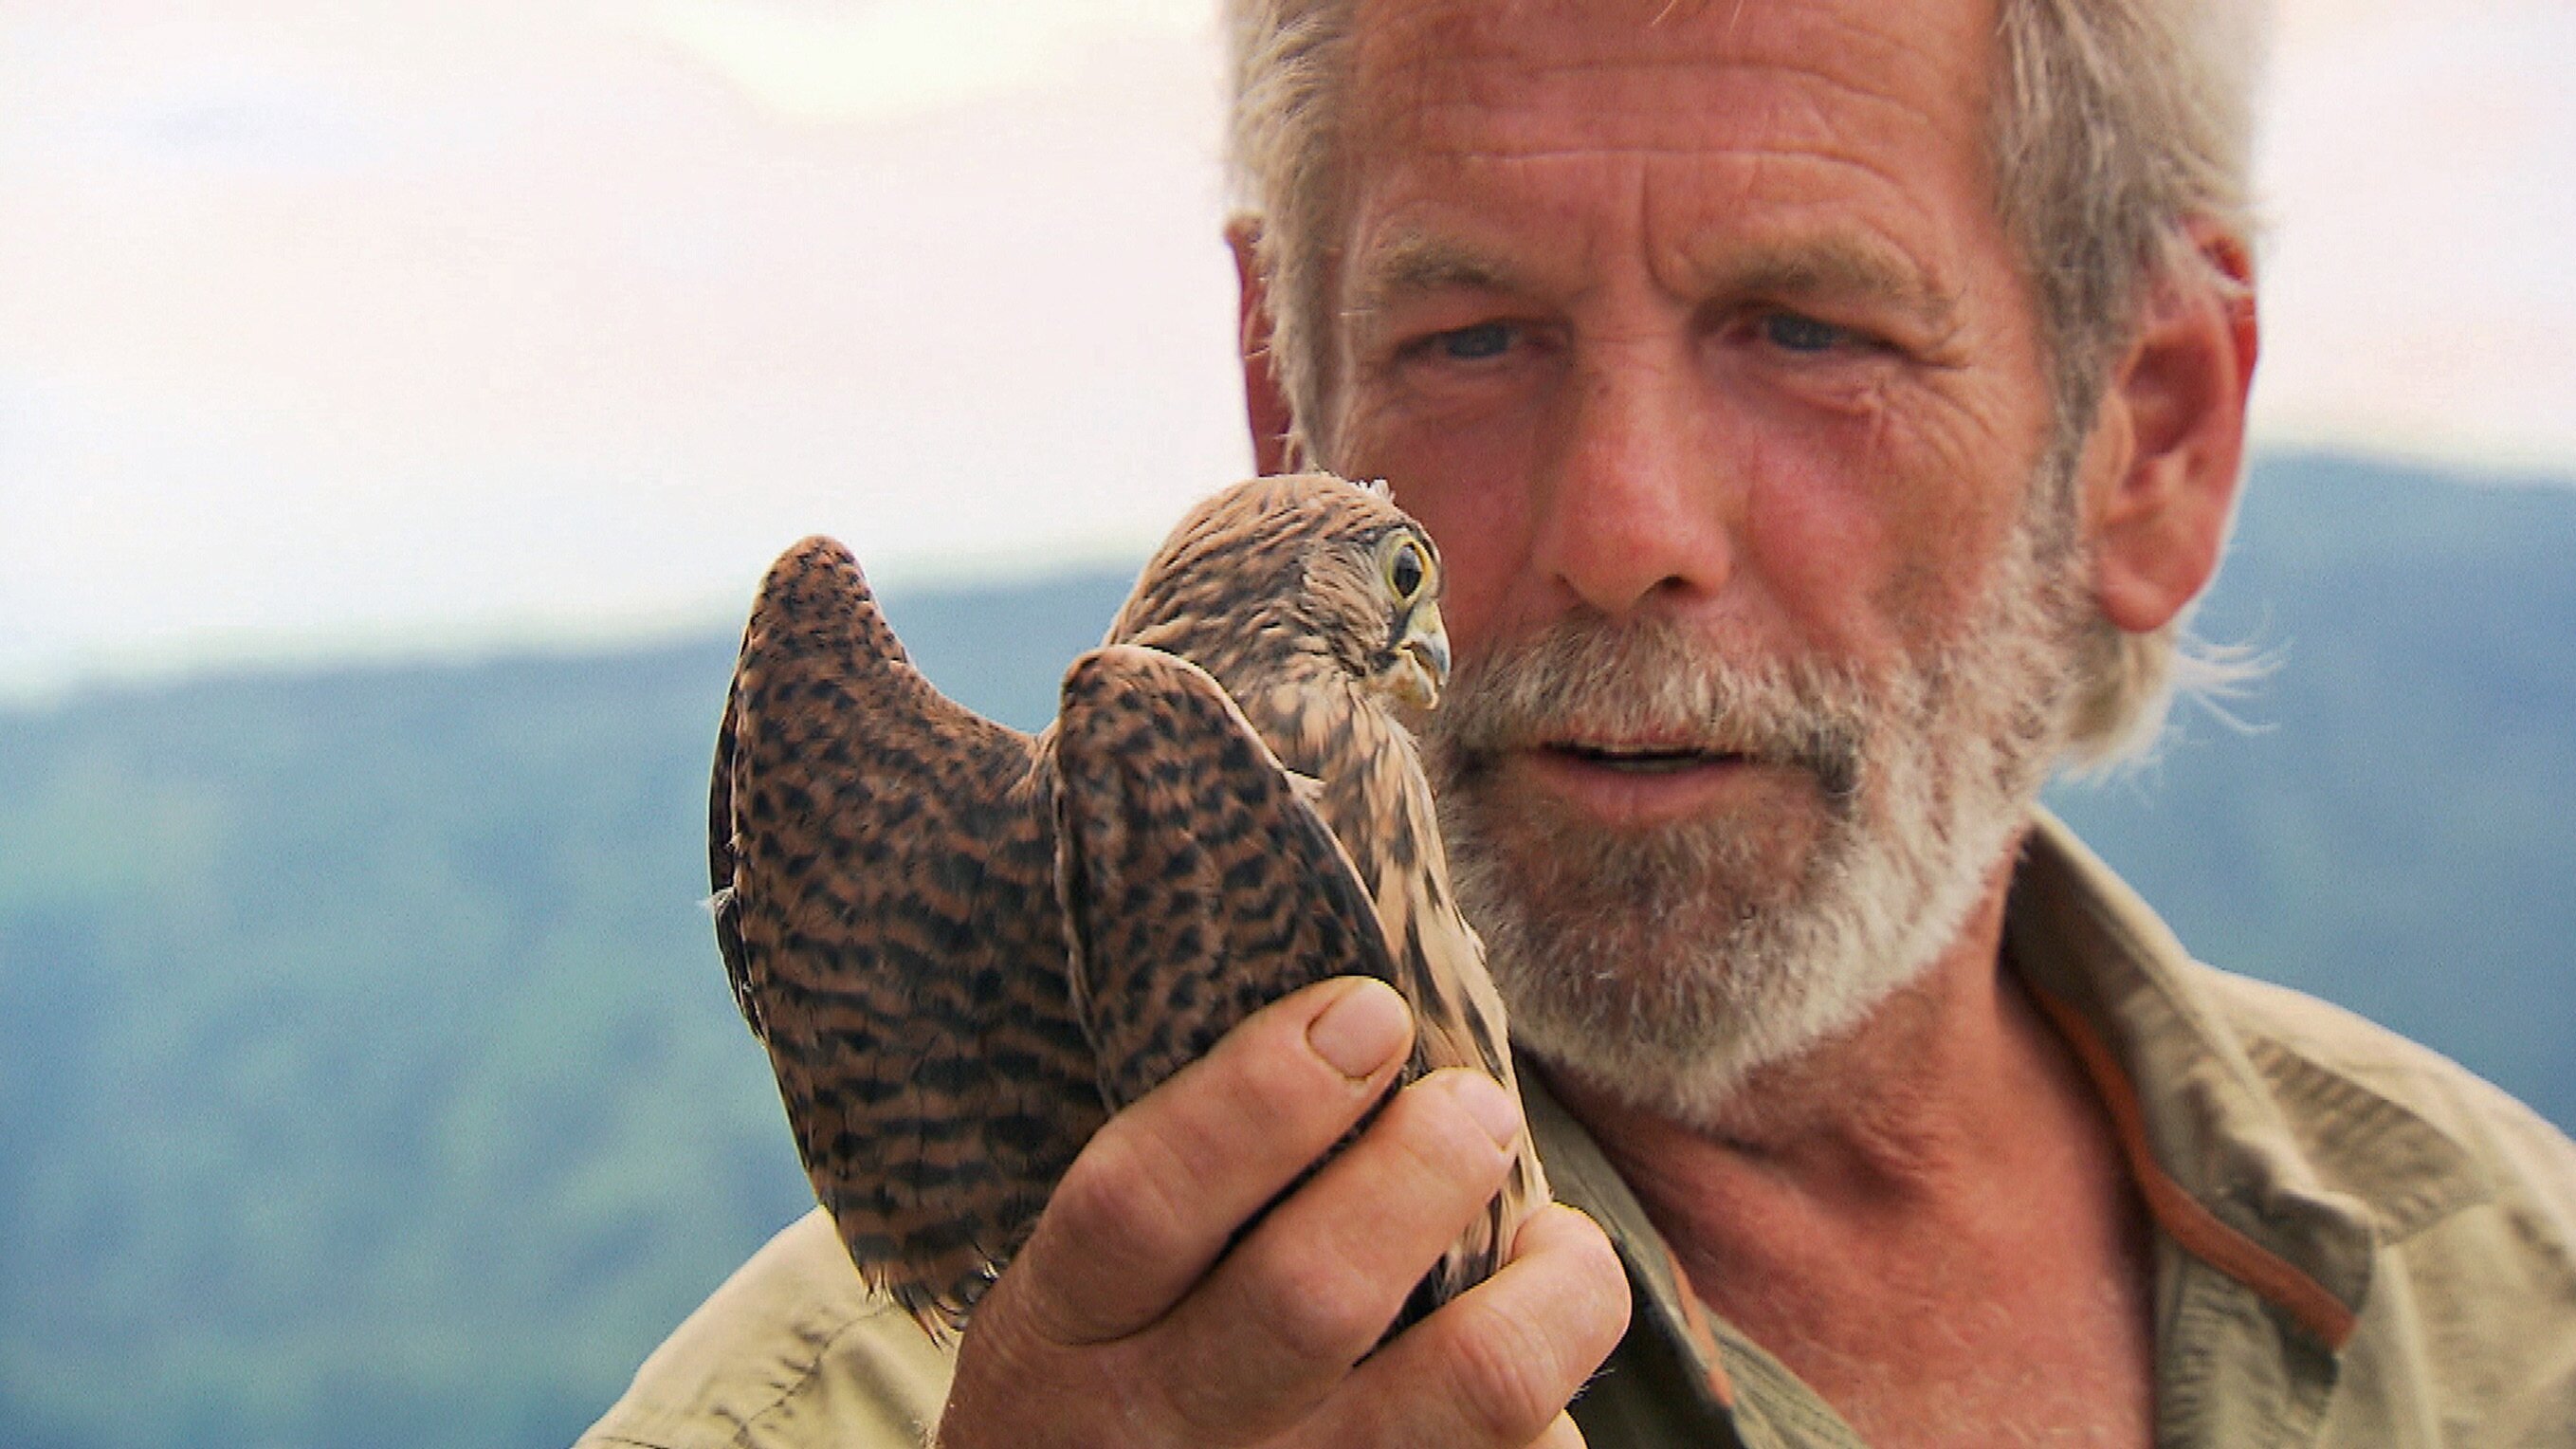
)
(1823, 268)
(1416, 265)
(1830, 268)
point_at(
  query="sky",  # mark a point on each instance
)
(333, 329)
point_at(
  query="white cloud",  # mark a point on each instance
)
(889, 60)
(2420, 167)
(598, 360)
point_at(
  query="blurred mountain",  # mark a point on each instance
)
(367, 1077)
(2394, 825)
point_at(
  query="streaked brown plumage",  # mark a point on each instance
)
(963, 946)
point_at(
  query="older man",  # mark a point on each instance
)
(1826, 408)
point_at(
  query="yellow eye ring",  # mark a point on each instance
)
(1408, 569)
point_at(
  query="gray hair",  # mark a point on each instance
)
(2118, 127)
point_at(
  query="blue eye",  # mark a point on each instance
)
(1792, 333)
(1475, 344)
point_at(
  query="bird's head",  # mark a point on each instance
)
(1286, 573)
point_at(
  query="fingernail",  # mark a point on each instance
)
(1358, 1033)
(1491, 1106)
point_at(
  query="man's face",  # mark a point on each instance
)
(1692, 333)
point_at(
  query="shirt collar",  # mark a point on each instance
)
(1583, 1178)
(2278, 1171)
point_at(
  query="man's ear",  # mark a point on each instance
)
(2173, 427)
(1264, 404)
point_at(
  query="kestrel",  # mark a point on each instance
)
(964, 946)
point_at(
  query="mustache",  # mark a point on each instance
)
(1649, 683)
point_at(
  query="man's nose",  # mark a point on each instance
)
(1638, 510)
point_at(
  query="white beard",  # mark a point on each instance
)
(1667, 965)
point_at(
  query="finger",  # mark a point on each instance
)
(1498, 1364)
(1159, 1191)
(1279, 1323)
(1560, 1434)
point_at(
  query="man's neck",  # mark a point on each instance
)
(1933, 1196)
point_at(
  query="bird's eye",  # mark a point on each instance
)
(1407, 569)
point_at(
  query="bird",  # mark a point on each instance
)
(964, 947)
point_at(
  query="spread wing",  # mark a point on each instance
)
(1198, 884)
(883, 863)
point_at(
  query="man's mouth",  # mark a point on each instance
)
(1643, 759)
(1648, 783)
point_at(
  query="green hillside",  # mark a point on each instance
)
(367, 1077)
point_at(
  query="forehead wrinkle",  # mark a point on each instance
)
(1706, 260)
(1428, 69)
(1791, 108)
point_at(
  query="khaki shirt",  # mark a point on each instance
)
(2359, 1243)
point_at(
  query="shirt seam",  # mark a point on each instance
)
(2190, 1222)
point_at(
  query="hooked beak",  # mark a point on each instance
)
(1425, 651)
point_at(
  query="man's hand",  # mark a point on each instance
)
(1126, 1320)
